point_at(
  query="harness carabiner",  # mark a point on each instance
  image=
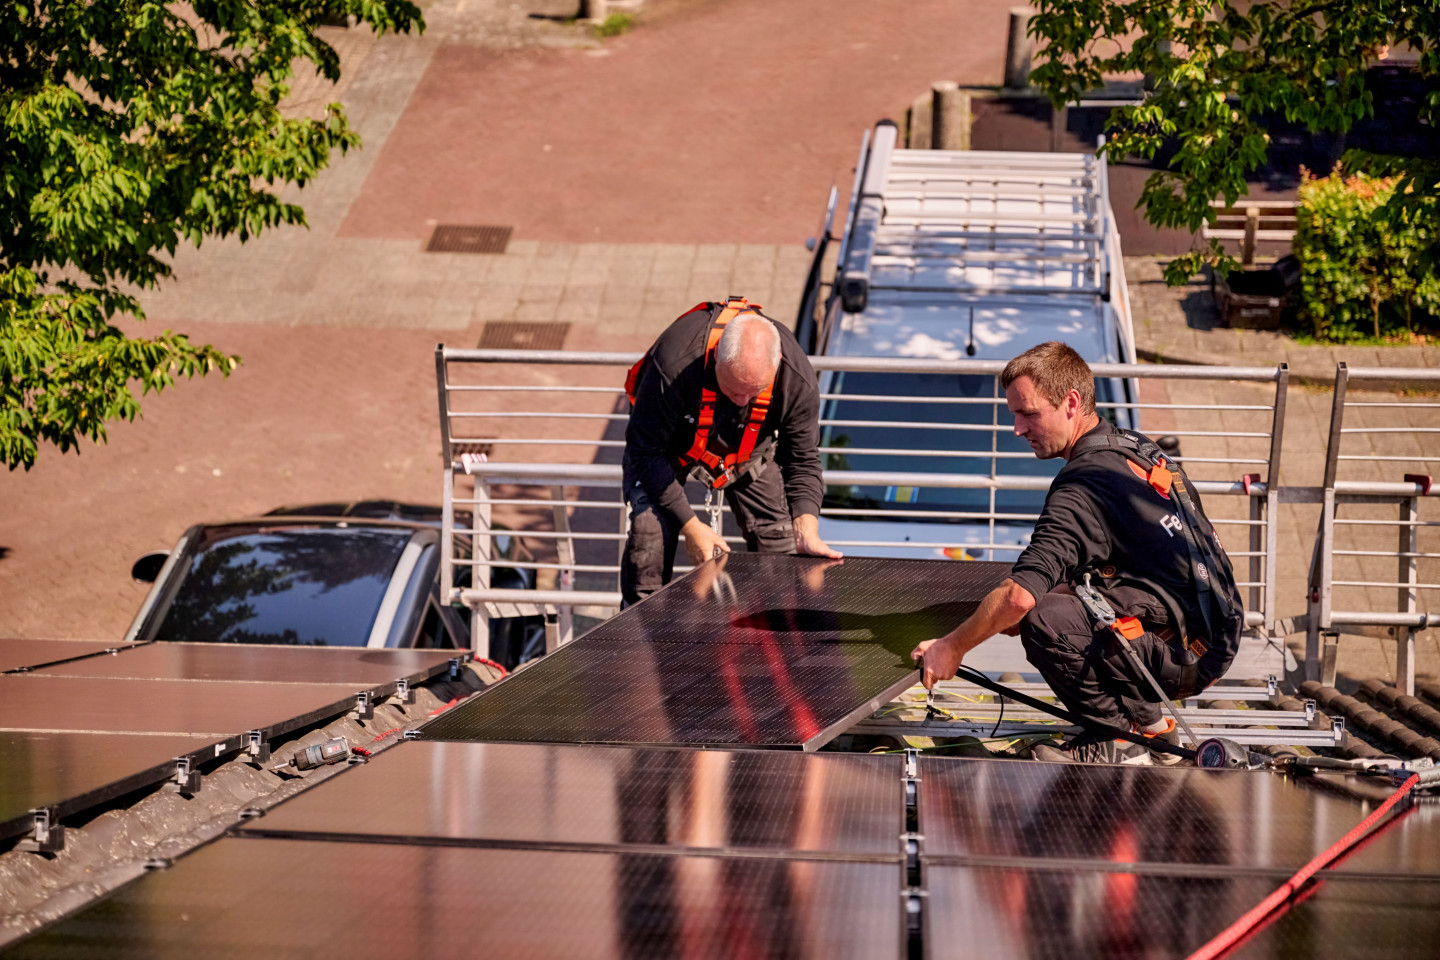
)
(714, 501)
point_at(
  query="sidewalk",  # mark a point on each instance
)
(1182, 325)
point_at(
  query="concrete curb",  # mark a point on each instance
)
(1317, 373)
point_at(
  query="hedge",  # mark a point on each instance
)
(1361, 273)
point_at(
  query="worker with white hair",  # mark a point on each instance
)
(726, 397)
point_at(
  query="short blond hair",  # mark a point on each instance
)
(1055, 369)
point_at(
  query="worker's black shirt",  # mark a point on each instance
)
(1099, 512)
(667, 402)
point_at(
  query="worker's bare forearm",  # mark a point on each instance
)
(1002, 608)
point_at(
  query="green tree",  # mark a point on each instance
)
(1215, 70)
(126, 128)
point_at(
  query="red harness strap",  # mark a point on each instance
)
(724, 469)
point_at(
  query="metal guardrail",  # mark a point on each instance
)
(963, 709)
(532, 441)
(1353, 514)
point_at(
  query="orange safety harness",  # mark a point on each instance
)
(722, 470)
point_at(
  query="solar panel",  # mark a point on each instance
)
(802, 599)
(997, 811)
(245, 898)
(754, 650)
(797, 600)
(71, 771)
(215, 708)
(717, 800)
(1043, 913)
(18, 654)
(275, 664)
(683, 694)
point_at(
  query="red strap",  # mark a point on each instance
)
(698, 452)
(1260, 913)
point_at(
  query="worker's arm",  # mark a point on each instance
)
(1001, 610)
(656, 417)
(797, 448)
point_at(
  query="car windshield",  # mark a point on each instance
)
(313, 586)
(968, 443)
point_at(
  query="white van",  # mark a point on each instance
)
(958, 255)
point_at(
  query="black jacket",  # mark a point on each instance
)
(1100, 513)
(667, 399)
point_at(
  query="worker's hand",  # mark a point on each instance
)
(701, 541)
(938, 660)
(807, 539)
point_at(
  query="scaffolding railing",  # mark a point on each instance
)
(531, 454)
(1377, 537)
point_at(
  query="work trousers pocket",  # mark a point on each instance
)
(773, 537)
(1175, 676)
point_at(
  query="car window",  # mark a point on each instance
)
(319, 586)
(955, 451)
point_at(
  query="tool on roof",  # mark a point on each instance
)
(1125, 630)
(318, 755)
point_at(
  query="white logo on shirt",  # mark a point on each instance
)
(1170, 525)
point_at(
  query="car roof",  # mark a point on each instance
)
(943, 330)
(428, 514)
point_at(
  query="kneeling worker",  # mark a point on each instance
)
(727, 397)
(1124, 517)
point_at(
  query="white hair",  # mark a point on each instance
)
(728, 350)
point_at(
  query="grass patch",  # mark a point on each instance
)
(614, 25)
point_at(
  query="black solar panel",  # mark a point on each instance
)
(70, 771)
(245, 898)
(753, 650)
(1049, 914)
(991, 811)
(680, 693)
(36, 701)
(795, 600)
(358, 666)
(783, 802)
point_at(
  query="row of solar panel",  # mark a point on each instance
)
(529, 850)
(766, 651)
(82, 724)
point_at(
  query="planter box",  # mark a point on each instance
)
(1256, 299)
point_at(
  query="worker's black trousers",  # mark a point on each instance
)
(1088, 669)
(757, 502)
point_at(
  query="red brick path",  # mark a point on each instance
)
(722, 123)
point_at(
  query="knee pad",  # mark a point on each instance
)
(644, 521)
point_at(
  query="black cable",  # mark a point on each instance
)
(1103, 730)
(998, 720)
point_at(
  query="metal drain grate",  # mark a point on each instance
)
(523, 336)
(451, 238)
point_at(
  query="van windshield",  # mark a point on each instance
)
(975, 436)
